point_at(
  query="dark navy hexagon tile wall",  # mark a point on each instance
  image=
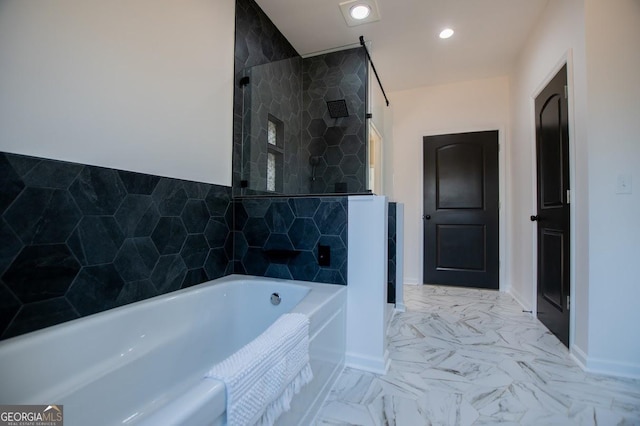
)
(274, 92)
(392, 247)
(296, 92)
(62, 257)
(293, 228)
(79, 239)
(306, 85)
(340, 143)
(257, 42)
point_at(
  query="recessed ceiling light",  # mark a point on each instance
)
(446, 33)
(360, 11)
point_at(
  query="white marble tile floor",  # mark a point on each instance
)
(472, 357)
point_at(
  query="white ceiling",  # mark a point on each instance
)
(404, 44)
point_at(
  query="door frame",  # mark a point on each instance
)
(566, 59)
(379, 157)
(502, 213)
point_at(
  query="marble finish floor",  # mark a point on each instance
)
(472, 357)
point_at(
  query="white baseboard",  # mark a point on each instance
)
(578, 356)
(412, 281)
(400, 307)
(377, 365)
(603, 366)
(613, 368)
(391, 313)
(518, 298)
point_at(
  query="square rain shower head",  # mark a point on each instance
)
(338, 109)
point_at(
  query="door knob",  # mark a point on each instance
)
(427, 217)
(534, 218)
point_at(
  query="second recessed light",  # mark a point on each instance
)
(446, 33)
(360, 11)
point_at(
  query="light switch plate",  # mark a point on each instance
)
(623, 184)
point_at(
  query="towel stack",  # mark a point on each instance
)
(262, 377)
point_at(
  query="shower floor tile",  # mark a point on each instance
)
(472, 357)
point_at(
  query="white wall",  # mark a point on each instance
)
(600, 41)
(452, 108)
(557, 38)
(381, 116)
(613, 71)
(377, 103)
(139, 85)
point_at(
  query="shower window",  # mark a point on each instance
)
(275, 153)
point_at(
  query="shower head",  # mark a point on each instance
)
(338, 108)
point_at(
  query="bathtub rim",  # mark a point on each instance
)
(323, 289)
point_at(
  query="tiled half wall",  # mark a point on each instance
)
(77, 239)
(280, 238)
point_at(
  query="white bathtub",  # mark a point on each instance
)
(144, 363)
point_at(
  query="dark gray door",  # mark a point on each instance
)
(552, 159)
(461, 212)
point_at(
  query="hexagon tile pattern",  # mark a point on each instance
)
(279, 237)
(301, 87)
(339, 144)
(296, 91)
(257, 41)
(275, 92)
(391, 253)
(76, 239)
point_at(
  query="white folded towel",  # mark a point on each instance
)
(264, 375)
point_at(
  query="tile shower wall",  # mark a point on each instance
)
(339, 144)
(76, 239)
(279, 237)
(257, 41)
(320, 154)
(391, 266)
(275, 90)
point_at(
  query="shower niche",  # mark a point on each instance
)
(304, 128)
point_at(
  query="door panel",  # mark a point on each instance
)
(461, 247)
(550, 141)
(461, 209)
(552, 163)
(460, 177)
(551, 282)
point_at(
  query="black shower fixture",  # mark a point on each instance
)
(338, 109)
(314, 161)
(244, 81)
